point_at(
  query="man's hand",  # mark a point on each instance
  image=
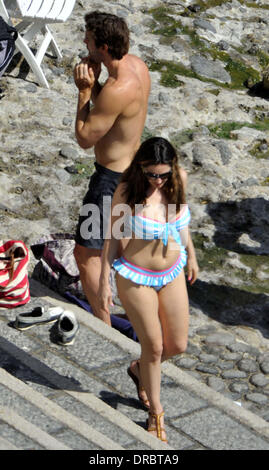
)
(96, 67)
(84, 77)
(105, 297)
(86, 74)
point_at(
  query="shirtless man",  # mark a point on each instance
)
(113, 126)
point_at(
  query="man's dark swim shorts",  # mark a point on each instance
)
(95, 212)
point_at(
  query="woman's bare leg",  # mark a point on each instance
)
(141, 305)
(174, 316)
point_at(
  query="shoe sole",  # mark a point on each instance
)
(66, 344)
(27, 327)
(136, 382)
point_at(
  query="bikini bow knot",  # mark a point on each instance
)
(170, 229)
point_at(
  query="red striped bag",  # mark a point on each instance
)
(14, 282)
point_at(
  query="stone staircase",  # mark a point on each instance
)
(79, 397)
(48, 392)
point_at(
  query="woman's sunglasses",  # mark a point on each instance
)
(155, 176)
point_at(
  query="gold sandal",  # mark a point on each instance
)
(158, 425)
(139, 388)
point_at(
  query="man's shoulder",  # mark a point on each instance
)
(136, 59)
(118, 87)
(127, 86)
(114, 96)
(137, 63)
(124, 86)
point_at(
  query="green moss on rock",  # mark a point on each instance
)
(257, 153)
(208, 258)
(180, 138)
(205, 4)
(147, 133)
(266, 181)
(167, 26)
(213, 259)
(254, 5)
(214, 91)
(84, 169)
(223, 129)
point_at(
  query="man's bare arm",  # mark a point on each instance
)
(86, 76)
(83, 109)
(96, 68)
(97, 88)
(93, 124)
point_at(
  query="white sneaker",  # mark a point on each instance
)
(38, 316)
(67, 328)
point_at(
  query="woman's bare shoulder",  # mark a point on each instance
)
(183, 176)
(119, 194)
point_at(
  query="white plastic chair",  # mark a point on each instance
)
(35, 16)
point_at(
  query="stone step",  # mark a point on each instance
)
(58, 413)
(89, 380)
(6, 445)
(43, 439)
(44, 378)
(50, 409)
(23, 354)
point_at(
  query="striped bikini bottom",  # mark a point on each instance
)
(147, 277)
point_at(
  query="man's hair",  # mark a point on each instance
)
(109, 29)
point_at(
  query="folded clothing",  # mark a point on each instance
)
(57, 269)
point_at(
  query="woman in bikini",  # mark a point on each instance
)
(150, 273)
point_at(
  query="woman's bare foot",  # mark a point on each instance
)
(134, 373)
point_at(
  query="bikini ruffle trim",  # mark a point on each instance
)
(146, 277)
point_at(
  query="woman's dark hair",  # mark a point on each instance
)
(153, 151)
(111, 30)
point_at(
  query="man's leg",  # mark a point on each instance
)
(89, 265)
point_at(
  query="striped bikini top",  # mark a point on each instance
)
(151, 229)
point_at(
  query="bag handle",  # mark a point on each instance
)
(7, 29)
(11, 268)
